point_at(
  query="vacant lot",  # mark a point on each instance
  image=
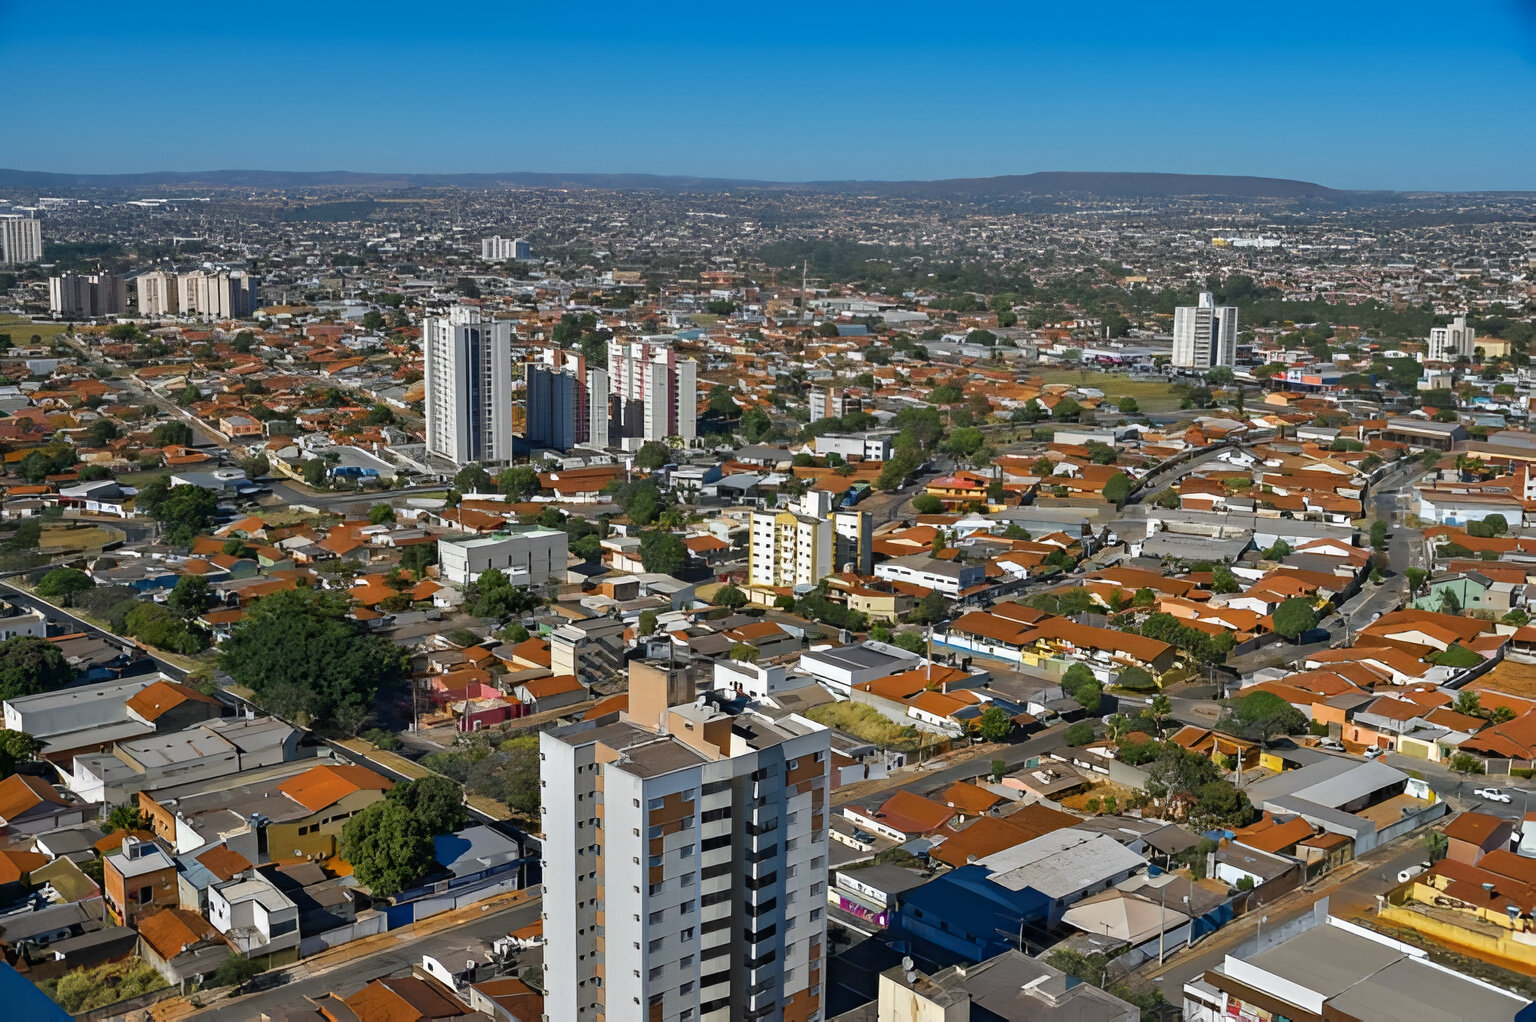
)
(1151, 393)
(22, 330)
(68, 537)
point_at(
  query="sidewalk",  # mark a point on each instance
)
(347, 954)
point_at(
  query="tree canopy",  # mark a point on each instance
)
(388, 846)
(304, 658)
(29, 665)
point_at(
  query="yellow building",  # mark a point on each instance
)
(332, 794)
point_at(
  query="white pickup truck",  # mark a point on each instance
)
(1492, 795)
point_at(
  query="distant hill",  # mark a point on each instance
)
(1090, 184)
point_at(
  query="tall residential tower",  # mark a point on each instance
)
(655, 391)
(468, 378)
(567, 401)
(1204, 334)
(685, 861)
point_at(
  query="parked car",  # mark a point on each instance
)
(1331, 744)
(1375, 751)
(1411, 872)
(1492, 795)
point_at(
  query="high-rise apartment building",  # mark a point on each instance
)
(82, 295)
(567, 401)
(220, 294)
(467, 364)
(655, 391)
(21, 239)
(158, 293)
(806, 541)
(497, 249)
(1448, 342)
(685, 861)
(832, 403)
(1204, 334)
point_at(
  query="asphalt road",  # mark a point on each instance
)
(1347, 898)
(27, 600)
(450, 947)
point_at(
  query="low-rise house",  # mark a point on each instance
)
(139, 879)
(181, 945)
(255, 917)
(30, 805)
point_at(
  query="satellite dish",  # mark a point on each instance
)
(906, 963)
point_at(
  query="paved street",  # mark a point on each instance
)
(453, 948)
(24, 599)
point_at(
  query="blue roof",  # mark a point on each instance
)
(972, 904)
(23, 1000)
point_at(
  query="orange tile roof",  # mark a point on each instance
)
(164, 696)
(17, 864)
(224, 862)
(324, 786)
(913, 814)
(20, 792)
(172, 930)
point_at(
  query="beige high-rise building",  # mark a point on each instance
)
(805, 542)
(685, 861)
(158, 294)
(21, 239)
(655, 391)
(1204, 334)
(217, 295)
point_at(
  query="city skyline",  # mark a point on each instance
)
(789, 98)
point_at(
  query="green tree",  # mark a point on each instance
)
(755, 426)
(472, 478)
(646, 625)
(745, 652)
(388, 846)
(518, 482)
(663, 552)
(16, 747)
(437, 802)
(912, 642)
(125, 817)
(417, 556)
(1293, 617)
(1117, 488)
(1080, 733)
(652, 455)
(303, 658)
(186, 512)
(1379, 535)
(64, 583)
(1128, 406)
(730, 596)
(927, 504)
(255, 466)
(1464, 763)
(190, 596)
(994, 724)
(1262, 715)
(380, 513)
(29, 665)
(236, 970)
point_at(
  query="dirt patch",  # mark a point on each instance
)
(66, 537)
(1101, 791)
(1511, 678)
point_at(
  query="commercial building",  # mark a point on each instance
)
(497, 249)
(807, 541)
(868, 446)
(21, 239)
(1336, 970)
(221, 294)
(467, 363)
(1447, 343)
(832, 403)
(84, 296)
(655, 392)
(528, 556)
(567, 401)
(685, 861)
(1205, 334)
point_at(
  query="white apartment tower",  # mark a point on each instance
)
(1204, 334)
(218, 294)
(685, 861)
(158, 294)
(803, 543)
(467, 364)
(1446, 343)
(83, 296)
(21, 239)
(655, 392)
(497, 249)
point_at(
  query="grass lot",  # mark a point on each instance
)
(1153, 395)
(62, 537)
(1100, 791)
(22, 329)
(862, 722)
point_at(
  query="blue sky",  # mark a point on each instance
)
(1355, 95)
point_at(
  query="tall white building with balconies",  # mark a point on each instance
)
(1204, 334)
(1447, 343)
(21, 239)
(685, 861)
(803, 543)
(467, 364)
(655, 391)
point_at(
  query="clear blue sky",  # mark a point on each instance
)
(1351, 94)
